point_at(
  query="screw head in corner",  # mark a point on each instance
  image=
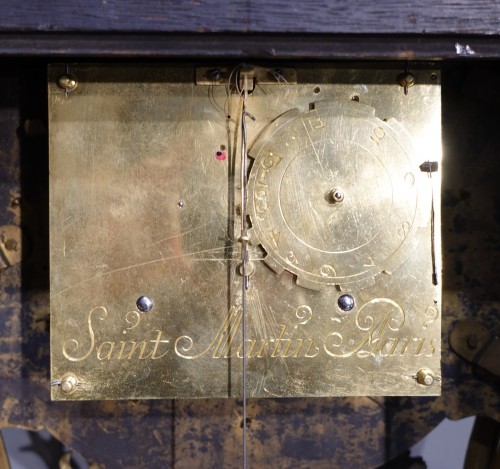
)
(69, 384)
(425, 377)
(67, 83)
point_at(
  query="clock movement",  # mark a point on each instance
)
(268, 228)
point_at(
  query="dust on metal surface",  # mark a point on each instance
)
(144, 226)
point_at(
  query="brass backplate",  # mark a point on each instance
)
(344, 296)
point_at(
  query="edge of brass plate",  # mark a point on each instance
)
(145, 284)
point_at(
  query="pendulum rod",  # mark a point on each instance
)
(244, 250)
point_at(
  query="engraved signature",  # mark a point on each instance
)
(381, 321)
(377, 330)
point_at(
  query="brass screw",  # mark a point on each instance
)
(406, 80)
(11, 245)
(337, 195)
(69, 384)
(425, 377)
(67, 82)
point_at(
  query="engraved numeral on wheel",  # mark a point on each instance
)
(290, 257)
(327, 271)
(274, 234)
(378, 134)
(271, 161)
(369, 262)
(409, 179)
(315, 122)
(261, 201)
(404, 229)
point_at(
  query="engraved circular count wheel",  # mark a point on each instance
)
(333, 194)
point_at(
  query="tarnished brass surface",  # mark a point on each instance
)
(144, 201)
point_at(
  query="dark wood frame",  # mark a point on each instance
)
(255, 45)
